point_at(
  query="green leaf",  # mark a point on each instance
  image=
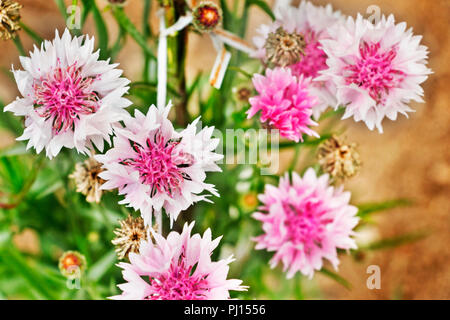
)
(331, 113)
(241, 71)
(33, 35)
(146, 29)
(102, 31)
(368, 208)
(151, 87)
(125, 22)
(62, 8)
(15, 150)
(5, 237)
(99, 269)
(87, 6)
(14, 172)
(227, 15)
(118, 44)
(45, 188)
(194, 85)
(15, 261)
(336, 277)
(19, 45)
(395, 241)
(262, 5)
(8, 120)
(308, 141)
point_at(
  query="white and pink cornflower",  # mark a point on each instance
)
(70, 98)
(376, 68)
(178, 267)
(305, 221)
(293, 41)
(156, 167)
(285, 102)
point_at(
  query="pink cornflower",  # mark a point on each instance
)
(156, 167)
(70, 98)
(305, 221)
(377, 69)
(296, 35)
(285, 103)
(177, 268)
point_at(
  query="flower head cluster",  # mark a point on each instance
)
(69, 97)
(293, 41)
(156, 167)
(178, 267)
(285, 103)
(376, 69)
(305, 221)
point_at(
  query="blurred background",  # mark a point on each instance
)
(410, 160)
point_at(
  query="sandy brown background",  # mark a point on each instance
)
(411, 159)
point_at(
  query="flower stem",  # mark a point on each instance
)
(159, 223)
(31, 33)
(19, 45)
(296, 156)
(146, 33)
(176, 54)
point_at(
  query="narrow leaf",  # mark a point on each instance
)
(368, 208)
(262, 5)
(33, 35)
(336, 277)
(395, 241)
(125, 22)
(99, 269)
(102, 32)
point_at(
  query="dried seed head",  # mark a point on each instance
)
(72, 264)
(129, 236)
(284, 48)
(339, 159)
(9, 19)
(87, 180)
(243, 94)
(207, 16)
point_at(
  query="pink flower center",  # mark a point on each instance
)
(63, 96)
(374, 71)
(160, 164)
(178, 283)
(314, 58)
(305, 224)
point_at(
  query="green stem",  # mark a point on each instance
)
(31, 33)
(146, 33)
(294, 161)
(62, 8)
(245, 73)
(176, 54)
(19, 45)
(298, 287)
(28, 184)
(105, 217)
(118, 44)
(125, 22)
(91, 289)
